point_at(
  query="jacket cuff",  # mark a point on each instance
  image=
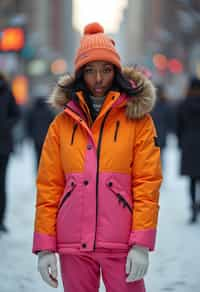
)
(43, 242)
(144, 238)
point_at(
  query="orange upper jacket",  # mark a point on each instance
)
(98, 184)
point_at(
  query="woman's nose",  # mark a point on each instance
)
(98, 77)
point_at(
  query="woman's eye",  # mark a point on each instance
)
(88, 70)
(107, 70)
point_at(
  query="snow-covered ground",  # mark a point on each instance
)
(174, 266)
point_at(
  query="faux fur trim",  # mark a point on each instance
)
(144, 101)
(60, 95)
(137, 106)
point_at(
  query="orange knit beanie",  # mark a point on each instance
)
(96, 46)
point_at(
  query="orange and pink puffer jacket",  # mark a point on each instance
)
(98, 183)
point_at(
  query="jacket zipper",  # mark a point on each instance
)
(116, 130)
(66, 197)
(124, 202)
(73, 134)
(97, 174)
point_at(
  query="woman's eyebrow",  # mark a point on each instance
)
(106, 63)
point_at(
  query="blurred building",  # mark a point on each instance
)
(133, 32)
(172, 27)
(45, 18)
(48, 25)
(50, 40)
(160, 26)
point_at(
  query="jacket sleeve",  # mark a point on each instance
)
(146, 181)
(50, 186)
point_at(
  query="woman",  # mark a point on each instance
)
(188, 124)
(99, 175)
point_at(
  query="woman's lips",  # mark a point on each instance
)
(98, 89)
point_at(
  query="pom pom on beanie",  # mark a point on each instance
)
(92, 28)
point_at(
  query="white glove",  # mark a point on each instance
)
(137, 263)
(47, 266)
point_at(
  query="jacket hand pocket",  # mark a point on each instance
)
(68, 191)
(121, 195)
(69, 214)
(115, 212)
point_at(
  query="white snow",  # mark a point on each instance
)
(174, 266)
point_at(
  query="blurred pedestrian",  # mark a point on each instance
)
(161, 115)
(99, 175)
(188, 132)
(9, 115)
(39, 115)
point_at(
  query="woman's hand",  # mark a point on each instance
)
(47, 266)
(137, 263)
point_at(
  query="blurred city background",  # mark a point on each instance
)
(162, 35)
(38, 40)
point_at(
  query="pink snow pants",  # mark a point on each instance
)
(81, 273)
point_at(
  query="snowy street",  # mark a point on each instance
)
(174, 266)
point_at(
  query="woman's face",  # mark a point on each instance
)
(98, 77)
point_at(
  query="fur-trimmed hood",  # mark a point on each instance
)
(137, 106)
